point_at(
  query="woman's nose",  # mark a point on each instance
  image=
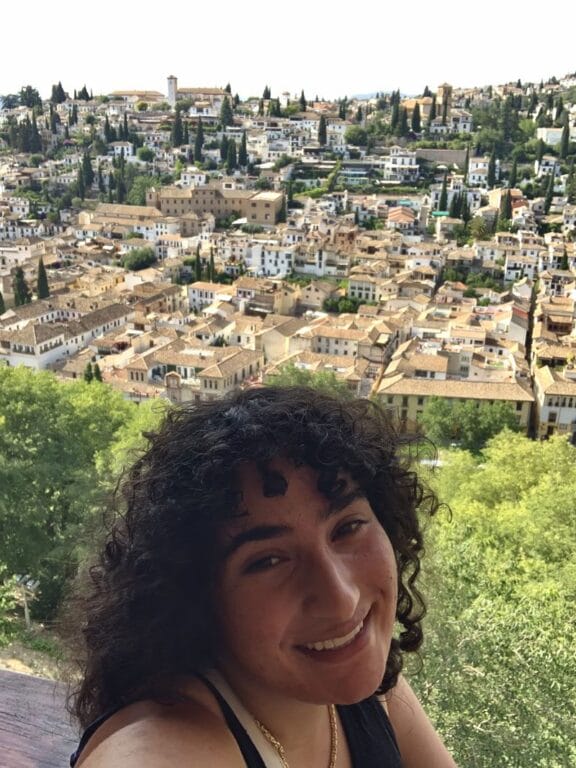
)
(330, 587)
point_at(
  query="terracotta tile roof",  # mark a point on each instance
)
(451, 388)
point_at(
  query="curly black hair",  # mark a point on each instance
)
(148, 614)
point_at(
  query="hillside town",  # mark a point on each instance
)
(180, 245)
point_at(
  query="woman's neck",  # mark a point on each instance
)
(302, 728)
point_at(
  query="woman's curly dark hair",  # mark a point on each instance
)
(148, 614)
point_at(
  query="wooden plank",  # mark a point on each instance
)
(35, 729)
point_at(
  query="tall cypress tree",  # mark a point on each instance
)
(416, 120)
(302, 103)
(564, 142)
(20, 288)
(465, 214)
(87, 170)
(211, 268)
(243, 152)
(403, 126)
(513, 174)
(571, 184)
(224, 148)
(80, 186)
(177, 135)
(226, 116)
(432, 113)
(231, 158)
(42, 289)
(107, 130)
(549, 193)
(394, 118)
(198, 264)
(2, 304)
(97, 372)
(491, 176)
(443, 199)
(199, 141)
(506, 207)
(322, 137)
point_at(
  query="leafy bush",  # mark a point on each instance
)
(139, 258)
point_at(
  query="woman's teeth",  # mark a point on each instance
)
(337, 642)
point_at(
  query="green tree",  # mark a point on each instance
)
(198, 264)
(491, 175)
(231, 161)
(22, 294)
(502, 584)
(80, 185)
(416, 119)
(139, 258)
(139, 185)
(58, 95)
(432, 112)
(549, 193)
(513, 174)
(97, 372)
(87, 170)
(266, 93)
(506, 206)
(302, 103)
(322, 138)
(145, 154)
(326, 381)
(2, 304)
(224, 148)
(42, 289)
(211, 267)
(226, 115)
(356, 135)
(50, 437)
(243, 152)
(571, 184)
(443, 199)
(564, 142)
(467, 422)
(29, 97)
(199, 141)
(88, 373)
(177, 134)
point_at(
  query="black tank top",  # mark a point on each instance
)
(368, 731)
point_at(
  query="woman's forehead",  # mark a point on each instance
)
(280, 481)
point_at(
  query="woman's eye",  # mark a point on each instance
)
(263, 564)
(349, 528)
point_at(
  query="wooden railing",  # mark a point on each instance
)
(35, 729)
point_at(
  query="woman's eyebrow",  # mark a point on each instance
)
(256, 533)
(342, 501)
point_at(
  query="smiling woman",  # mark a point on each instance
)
(243, 607)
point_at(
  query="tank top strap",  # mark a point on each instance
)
(370, 735)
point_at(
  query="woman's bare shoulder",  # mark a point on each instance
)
(419, 744)
(151, 735)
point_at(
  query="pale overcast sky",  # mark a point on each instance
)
(328, 48)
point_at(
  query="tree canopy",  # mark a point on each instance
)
(466, 422)
(499, 669)
(61, 447)
(326, 381)
(139, 258)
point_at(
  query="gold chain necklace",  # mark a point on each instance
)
(280, 749)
